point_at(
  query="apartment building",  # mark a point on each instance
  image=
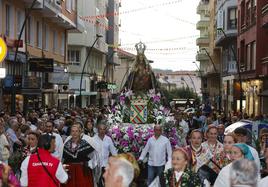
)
(42, 53)
(226, 38)
(252, 52)
(94, 41)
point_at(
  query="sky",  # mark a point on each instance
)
(167, 27)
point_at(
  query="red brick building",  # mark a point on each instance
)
(252, 55)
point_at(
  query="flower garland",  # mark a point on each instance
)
(133, 137)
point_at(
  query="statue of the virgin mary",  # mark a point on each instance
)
(141, 79)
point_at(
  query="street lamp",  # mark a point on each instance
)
(214, 67)
(198, 69)
(237, 68)
(86, 60)
(13, 87)
(192, 83)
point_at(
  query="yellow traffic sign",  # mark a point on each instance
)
(3, 49)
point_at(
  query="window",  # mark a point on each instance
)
(248, 57)
(74, 5)
(69, 5)
(46, 30)
(74, 57)
(232, 18)
(8, 20)
(20, 19)
(55, 41)
(39, 34)
(62, 43)
(30, 31)
(253, 11)
(248, 13)
(253, 50)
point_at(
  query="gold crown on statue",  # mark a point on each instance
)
(140, 47)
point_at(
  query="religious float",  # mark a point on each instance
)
(140, 105)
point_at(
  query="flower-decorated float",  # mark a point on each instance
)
(140, 105)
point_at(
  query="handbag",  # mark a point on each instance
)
(205, 172)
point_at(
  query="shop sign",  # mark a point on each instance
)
(3, 50)
(41, 64)
(2, 72)
(31, 82)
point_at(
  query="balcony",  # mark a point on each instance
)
(38, 3)
(201, 57)
(202, 7)
(202, 24)
(201, 41)
(265, 16)
(53, 9)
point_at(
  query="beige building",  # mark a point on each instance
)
(122, 71)
(208, 55)
(43, 41)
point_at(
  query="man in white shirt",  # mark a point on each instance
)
(264, 181)
(49, 126)
(107, 147)
(158, 147)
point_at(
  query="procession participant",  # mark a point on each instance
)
(239, 151)
(214, 146)
(4, 144)
(106, 147)
(264, 181)
(11, 133)
(183, 129)
(221, 129)
(119, 172)
(32, 142)
(89, 127)
(228, 142)
(241, 137)
(49, 126)
(7, 177)
(42, 169)
(180, 175)
(196, 152)
(244, 173)
(158, 147)
(77, 154)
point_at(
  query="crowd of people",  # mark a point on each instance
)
(72, 149)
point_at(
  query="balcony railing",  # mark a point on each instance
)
(201, 57)
(202, 40)
(202, 7)
(202, 24)
(264, 9)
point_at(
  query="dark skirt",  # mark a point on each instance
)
(78, 177)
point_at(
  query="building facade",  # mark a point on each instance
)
(252, 53)
(89, 48)
(43, 40)
(179, 79)
(208, 54)
(226, 17)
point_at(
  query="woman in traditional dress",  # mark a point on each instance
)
(228, 142)
(196, 152)
(238, 151)
(214, 146)
(77, 153)
(180, 175)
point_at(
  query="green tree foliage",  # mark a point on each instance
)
(180, 93)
